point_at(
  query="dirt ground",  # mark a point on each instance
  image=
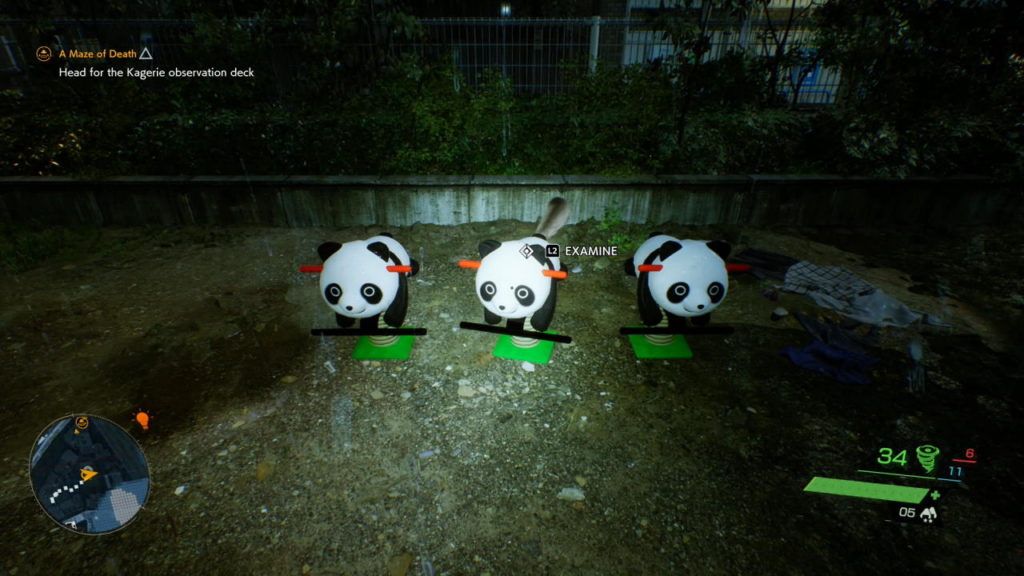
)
(272, 451)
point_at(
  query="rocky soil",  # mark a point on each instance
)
(273, 452)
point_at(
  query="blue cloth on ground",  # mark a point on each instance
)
(843, 365)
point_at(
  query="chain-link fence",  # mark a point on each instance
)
(537, 56)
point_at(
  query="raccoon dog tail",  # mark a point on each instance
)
(554, 218)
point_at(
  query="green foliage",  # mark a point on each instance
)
(929, 88)
(438, 129)
(616, 232)
(53, 145)
(613, 122)
(25, 246)
(744, 141)
(612, 218)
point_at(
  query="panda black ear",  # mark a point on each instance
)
(487, 246)
(720, 247)
(629, 268)
(538, 254)
(380, 249)
(667, 249)
(326, 249)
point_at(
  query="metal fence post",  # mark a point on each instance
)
(531, 55)
(595, 42)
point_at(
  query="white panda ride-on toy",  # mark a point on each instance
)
(516, 281)
(684, 279)
(515, 288)
(363, 279)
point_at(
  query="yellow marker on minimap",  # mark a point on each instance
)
(87, 474)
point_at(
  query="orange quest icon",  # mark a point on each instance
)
(142, 417)
(82, 422)
(44, 53)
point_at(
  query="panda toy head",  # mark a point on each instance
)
(361, 279)
(515, 283)
(687, 278)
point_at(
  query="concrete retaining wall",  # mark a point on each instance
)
(338, 201)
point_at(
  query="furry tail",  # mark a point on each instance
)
(556, 216)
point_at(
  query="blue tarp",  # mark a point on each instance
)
(843, 365)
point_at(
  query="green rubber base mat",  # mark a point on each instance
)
(678, 348)
(400, 350)
(539, 354)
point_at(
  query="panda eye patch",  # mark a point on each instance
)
(524, 295)
(371, 293)
(332, 293)
(677, 292)
(716, 291)
(487, 291)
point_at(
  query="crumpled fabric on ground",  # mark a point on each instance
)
(843, 365)
(839, 334)
(838, 289)
(880, 309)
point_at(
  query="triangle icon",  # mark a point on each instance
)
(145, 54)
(87, 474)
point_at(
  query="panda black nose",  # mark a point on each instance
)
(501, 307)
(349, 308)
(700, 306)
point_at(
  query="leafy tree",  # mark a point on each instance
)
(928, 87)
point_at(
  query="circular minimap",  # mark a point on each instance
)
(88, 474)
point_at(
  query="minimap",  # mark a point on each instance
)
(88, 474)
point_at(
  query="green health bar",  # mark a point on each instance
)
(870, 490)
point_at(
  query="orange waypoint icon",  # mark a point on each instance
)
(87, 474)
(143, 419)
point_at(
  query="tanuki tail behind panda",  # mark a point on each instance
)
(556, 216)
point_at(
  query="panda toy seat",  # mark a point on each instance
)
(515, 287)
(364, 279)
(684, 279)
(516, 279)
